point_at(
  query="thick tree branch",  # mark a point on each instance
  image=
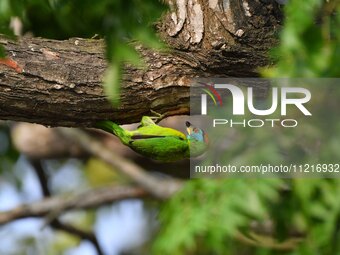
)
(84, 200)
(58, 83)
(66, 90)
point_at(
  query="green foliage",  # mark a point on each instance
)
(317, 213)
(118, 21)
(5, 15)
(206, 214)
(2, 52)
(309, 40)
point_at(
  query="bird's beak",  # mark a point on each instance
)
(189, 128)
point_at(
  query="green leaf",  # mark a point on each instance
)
(112, 83)
(2, 52)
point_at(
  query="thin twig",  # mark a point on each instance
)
(89, 236)
(43, 180)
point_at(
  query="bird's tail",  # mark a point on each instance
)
(113, 128)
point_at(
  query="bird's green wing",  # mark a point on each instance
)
(162, 148)
(160, 143)
(155, 130)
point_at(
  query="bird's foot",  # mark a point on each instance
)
(158, 116)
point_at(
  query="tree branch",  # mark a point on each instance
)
(67, 90)
(43, 180)
(84, 200)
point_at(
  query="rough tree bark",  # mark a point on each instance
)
(58, 83)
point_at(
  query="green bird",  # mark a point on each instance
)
(160, 143)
